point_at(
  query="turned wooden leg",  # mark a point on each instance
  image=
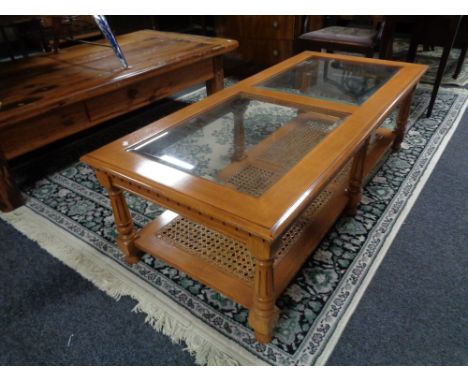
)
(123, 220)
(264, 314)
(217, 82)
(402, 119)
(356, 179)
(10, 196)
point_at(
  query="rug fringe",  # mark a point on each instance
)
(91, 268)
(201, 349)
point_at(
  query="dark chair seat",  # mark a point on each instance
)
(343, 35)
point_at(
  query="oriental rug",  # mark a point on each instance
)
(69, 214)
(432, 58)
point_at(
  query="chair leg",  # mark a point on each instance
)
(417, 36)
(386, 42)
(443, 62)
(411, 56)
(11, 52)
(461, 59)
(438, 80)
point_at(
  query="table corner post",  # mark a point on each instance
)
(356, 179)
(123, 219)
(264, 314)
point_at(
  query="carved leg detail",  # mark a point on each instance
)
(123, 220)
(217, 82)
(264, 314)
(402, 119)
(10, 196)
(356, 180)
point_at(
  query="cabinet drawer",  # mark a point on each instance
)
(258, 27)
(268, 27)
(266, 52)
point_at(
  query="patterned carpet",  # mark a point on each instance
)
(317, 303)
(432, 59)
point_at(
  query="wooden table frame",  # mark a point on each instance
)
(336, 167)
(50, 97)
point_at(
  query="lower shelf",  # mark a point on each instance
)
(226, 265)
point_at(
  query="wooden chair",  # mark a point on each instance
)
(355, 39)
(437, 31)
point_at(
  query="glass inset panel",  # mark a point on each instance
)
(335, 80)
(244, 143)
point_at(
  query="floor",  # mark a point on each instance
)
(414, 312)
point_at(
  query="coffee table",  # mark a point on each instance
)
(49, 97)
(255, 175)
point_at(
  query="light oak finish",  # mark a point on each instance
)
(356, 179)
(122, 218)
(50, 97)
(274, 233)
(263, 313)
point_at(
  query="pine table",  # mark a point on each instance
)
(255, 175)
(49, 97)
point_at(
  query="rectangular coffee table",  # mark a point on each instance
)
(254, 176)
(50, 97)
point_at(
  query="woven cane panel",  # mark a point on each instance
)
(283, 154)
(233, 256)
(297, 228)
(228, 254)
(252, 180)
(296, 144)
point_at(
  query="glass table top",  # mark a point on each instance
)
(243, 143)
(331, 79)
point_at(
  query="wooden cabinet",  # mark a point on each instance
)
(264, 40)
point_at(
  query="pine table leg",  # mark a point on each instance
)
(264, 314)
(402, 120)
(356, 179)
(10, 196)
(123, 220)
(217, 82)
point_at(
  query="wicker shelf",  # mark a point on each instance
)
(198, 250)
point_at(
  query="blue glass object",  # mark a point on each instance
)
(106, 31)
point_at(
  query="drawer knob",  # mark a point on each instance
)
(275, 24)
(275, 52)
